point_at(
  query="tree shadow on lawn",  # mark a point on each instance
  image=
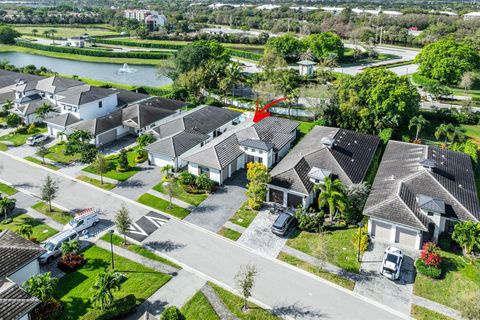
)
(450, 265)
(296, 310)
(165, 246)
(75, 307)
(96, 264)
(28, 220)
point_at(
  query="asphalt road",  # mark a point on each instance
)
(288, 291)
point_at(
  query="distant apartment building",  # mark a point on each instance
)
(471, 16)
(152, 19)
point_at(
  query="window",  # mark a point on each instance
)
(260, 151)
(430, 214)
(100, 104)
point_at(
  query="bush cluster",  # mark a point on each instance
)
(310, 221)
(364, 239)
(430, 272)
(118, 310)
(71, 262)
(429, 263)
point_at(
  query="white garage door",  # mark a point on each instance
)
(107, 137)
(405, 237)
(160, 161)
(381, 231)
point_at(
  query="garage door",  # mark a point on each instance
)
(406, 237)
(161, 162)
(381, 231)
(107, 137)
(276, 196)
(294, 201)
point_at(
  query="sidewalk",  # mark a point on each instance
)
(175, 201)
(437, 307)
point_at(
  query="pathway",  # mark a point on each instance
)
(217, 304)
(140, 183)
(175, 201)
(437, 307)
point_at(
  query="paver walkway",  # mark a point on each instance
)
(217, 304)
(437, 307)
(234, 227)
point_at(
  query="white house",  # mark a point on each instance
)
(419, 193)
(152, 19)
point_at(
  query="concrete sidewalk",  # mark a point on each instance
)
(437, 307)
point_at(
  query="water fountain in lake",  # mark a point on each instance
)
(126, 69)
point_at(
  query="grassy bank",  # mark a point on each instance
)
(66, 32)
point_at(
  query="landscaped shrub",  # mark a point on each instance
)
(186, 178)
(430, 272)
(385, 135)
(142, 155)
(49, 309)
(32, 128)
(71, 262)
(309, 221)
(364, 239)
(204, 183)
(145, 139)
(172, 313)
(123, 164)
(13, 120)
(429, 263)
(118, 310)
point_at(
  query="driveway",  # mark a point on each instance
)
(396, 294)
(212, 213)
(258, 235)
(140, 183)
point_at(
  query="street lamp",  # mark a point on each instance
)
(360, 225)
(111, 247)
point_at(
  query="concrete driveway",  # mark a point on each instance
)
(212, 213)
(259, 236)
(395, 294)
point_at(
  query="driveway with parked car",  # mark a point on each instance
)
(396, 294)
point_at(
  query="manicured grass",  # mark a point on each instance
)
(472, 132)
(180, 193)
(162, 205)
(340, 248)
(235, 303)
(19, 139)
(66, 32)
(458, 281)
(3, 147)
(97, 183)
(244, 216)
(56, 214)
(421, 313)
(198, 307)
(40, 231)
(112, 163)
(6, 189)
(316, 271)
(118, 241)
(57, 154)
(229, 233)
(75, 289)
(38, 161)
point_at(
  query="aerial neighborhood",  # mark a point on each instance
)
(239, 160)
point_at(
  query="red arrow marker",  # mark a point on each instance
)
(263, 113)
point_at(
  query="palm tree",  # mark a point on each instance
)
(7, 105)
(52, 32)
(40, 286)
(419, 122)
(332, 195)
(69, 247)
(167, 169)
(34, 32)
(444, 130)
(455, 135)
(5, 204)
(26, 231)
(287, 85)
(46, 34)
(106, 283)
(43, 110)
(233, 76)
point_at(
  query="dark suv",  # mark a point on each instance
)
(283, 223)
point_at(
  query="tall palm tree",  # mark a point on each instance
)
(419, 122)
(34, 32)
(233, 75)
(106, 283)
(167, 169)
(52, 32)
(443, 130)
(5, 204)
(332, 195)
(46, 33)
(43, 110)
(455, 135)
(287, 85)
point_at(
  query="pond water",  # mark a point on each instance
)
(138, 75)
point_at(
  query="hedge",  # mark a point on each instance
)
(175, 46)
(430, 272)
(118, 310)
(95, 53)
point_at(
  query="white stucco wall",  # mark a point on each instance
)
(393, 231)
(91, 110)
(22, 275)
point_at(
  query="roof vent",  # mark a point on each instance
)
(428, 164)
(327, 142)
(318, 175)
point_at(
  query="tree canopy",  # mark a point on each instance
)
(8, 35)
(376, 99)
(324, 45)
(197, 53)
(447, 60)
(288, 46)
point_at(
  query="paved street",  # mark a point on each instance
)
(287, 290)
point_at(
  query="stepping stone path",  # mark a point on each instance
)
(217, 304)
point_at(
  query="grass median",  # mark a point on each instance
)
(163, 205)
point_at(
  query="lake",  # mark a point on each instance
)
(142, 75)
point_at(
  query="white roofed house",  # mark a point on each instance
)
(419, 193)
(266, 141)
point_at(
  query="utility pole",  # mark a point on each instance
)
(381, 34)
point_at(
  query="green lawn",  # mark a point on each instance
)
(229, 233)
(56, 214)
(75, 289)
(6, 189)
(3, 147)
(459, 281)
(421, 313)
(198, 307)
(472, 132)
(97, 183)
(118, 241)
(244, 216)
(112, 163)
(19, 139)
(57, 154)
(234, 303)
(180, 193)
(340, 248)
(41, 231)
(316, 271)
(162, 205)
(66, 32)
(38, 161)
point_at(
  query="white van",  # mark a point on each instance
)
(83, 220)
(54, 244)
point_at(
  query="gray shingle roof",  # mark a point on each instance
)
(126, 97)
(256, 144)
(142, 115)
(30, 107)
(14, 301)
(63, 120)
(84, 94)
(16, 252)
(57, 84)
(348, 159)
(100, 125)
(8, 78)
(177, 144)
(401, 177)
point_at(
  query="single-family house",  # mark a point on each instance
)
(15, 303)
(266, 141)
(188, 132)
(323, 152)
(9, 81)
(420, 192)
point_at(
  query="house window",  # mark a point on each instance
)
(100, 104)
(430, 214)
(260, 151)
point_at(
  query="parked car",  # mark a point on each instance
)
(83, 220)
(37, 138)
(283, 223)
(392, 263)
(54, 244)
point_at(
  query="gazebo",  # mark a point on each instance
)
(306, 67)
